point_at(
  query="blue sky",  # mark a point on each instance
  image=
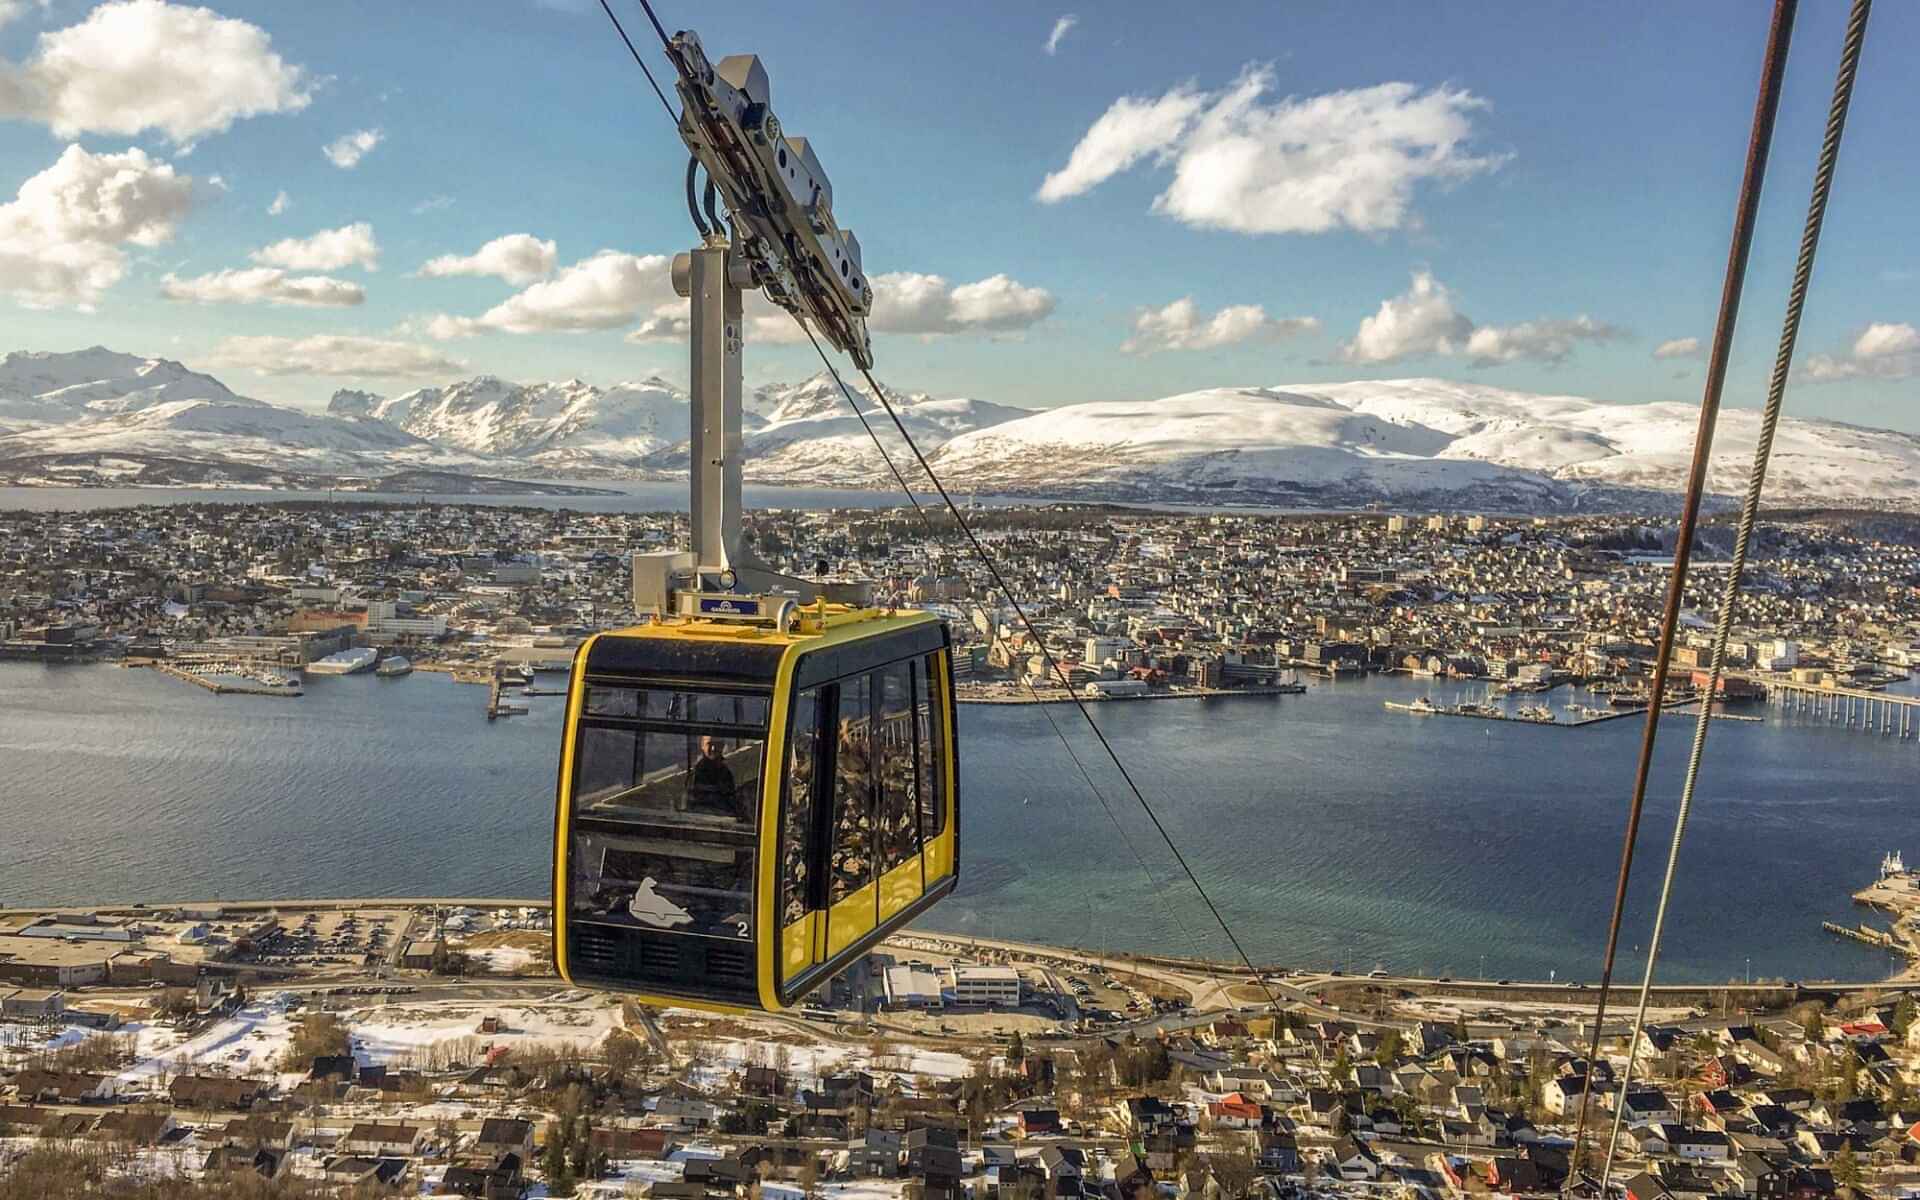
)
(1551, 205)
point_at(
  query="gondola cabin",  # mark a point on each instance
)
(744, 809)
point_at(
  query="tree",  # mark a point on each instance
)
(1846, 1168)
(1016, 1051)
(1388, 1051)
(1903, 1015)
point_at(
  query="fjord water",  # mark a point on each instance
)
(1330, 831)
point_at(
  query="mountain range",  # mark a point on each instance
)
(95, 416)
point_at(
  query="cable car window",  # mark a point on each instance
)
(671, 781)
(899, 790)
(852, 791)
(680, 777)
(797, 840)
(930, 748)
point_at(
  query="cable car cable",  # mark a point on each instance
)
(993, 569)
(1053, 668)
(1746, 211)
(640, 62)
(1749, 516)
(1086, 775)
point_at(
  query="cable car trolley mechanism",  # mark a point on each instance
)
(758, 783)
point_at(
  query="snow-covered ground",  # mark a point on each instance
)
(391, 1033)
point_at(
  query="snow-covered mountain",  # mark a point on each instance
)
(1424, 442)
(562, 425)
(38, 388)
(94, 415)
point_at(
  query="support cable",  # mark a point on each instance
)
(1749, 515)
(926, 519)
(1746, 211)
(1053, 667)
(641, 63)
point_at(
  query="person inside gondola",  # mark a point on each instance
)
(710, 784)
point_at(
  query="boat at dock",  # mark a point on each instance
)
(1421, 707)
(347, 662)
(394, 667)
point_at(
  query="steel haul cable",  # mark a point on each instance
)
(993, 569)
(1746, 211)
(1749, 514)
(1086, 775)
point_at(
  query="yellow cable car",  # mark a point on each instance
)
(745, 810)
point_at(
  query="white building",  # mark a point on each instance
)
(1099, 689)
(981, 986)
(1100, 649)
(1783, 656)
(912, 987)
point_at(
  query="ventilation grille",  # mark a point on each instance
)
(658, 957)
(729, 962)
(594, 950)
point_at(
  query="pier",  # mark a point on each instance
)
(213, 685)
(1857, 708)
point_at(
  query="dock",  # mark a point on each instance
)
(1862, 933)
(1884, 713)
(214, 685)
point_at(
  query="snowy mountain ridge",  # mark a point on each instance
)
(1410, 442)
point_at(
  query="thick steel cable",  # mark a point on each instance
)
(1053, 668)
(1045, 709)
(1085, 774)
(1746, 211)
(641, 63)
(993, 569)
(1749, 515)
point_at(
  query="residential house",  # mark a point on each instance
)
(134, 1128)
(877, 1155)
(1279, 1154)
(217, 1093)
(374, 1139)
(504, 1135)
(502, 1178)
(268, 1162)
(1645, 1105)
(64, 1087)
(1352, 1160)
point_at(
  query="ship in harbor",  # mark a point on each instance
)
(391, 668)
(347, 662)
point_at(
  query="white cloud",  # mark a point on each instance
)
(12, 10)
(1060, 29)
(1884, 350)
(1421, 320)
(137, 65)
(281, 203)
(1128, 131)
(909, 302)
(1548, 340)
(1249, 164)
(433, 203)
(1181, 326)
(61, 236)
(348, 149)
(1424, 320)
(518, 258)
(604, 291)
(1685, 347)
(333, 355)
(264, 285)
(611, 289)
(328, 250)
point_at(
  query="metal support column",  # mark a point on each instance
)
(716, 329)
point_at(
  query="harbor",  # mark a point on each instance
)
(216, 678)
(1540, 714)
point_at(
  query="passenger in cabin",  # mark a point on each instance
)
(710, 784)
